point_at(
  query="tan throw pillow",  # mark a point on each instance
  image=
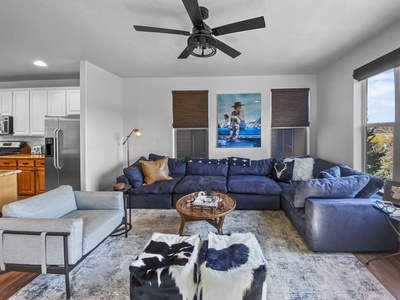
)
(155, 170)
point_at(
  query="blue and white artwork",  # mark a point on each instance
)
(239, 120)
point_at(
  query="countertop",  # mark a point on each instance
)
(9, 172)
(24, 156)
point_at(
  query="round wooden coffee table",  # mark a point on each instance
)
(215, 217)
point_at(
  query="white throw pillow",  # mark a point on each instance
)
(303, 168)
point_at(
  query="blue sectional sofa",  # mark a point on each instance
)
(249, 184)
(329, 204)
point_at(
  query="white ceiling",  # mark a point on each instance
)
(301, 37)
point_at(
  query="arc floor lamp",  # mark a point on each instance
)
(137, 133)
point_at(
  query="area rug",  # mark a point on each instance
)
(294, 272)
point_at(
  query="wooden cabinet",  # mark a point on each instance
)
(73, 102)
(26, 179)
(31, 180)
(8, 164)
(40, 179)
(6, 103)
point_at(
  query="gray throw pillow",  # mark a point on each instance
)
(343, 187)
(333, 172)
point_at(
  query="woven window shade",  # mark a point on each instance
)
(190, 109)
(290, 107)
(379, 65)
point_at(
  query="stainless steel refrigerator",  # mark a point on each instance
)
(62, 152)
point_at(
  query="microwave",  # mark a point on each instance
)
(6, 125)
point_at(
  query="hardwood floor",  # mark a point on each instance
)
(12, 282)
(387, 271)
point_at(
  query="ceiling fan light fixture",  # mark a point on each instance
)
(202, 45)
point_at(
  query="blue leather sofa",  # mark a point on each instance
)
(339, 218)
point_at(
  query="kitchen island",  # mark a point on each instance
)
(8, 186)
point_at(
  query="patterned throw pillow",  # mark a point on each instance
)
(239, 161)
(282, 170)
(155, 170)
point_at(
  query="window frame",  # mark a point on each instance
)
(395, 124)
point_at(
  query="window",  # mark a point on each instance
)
(381, 80)
(190, 122)
(380, 122)
(289, 122)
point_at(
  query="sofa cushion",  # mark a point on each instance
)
(175, 165)
(207, 169)
(239, 161)
(134, 173)
(282, 170)
(333, 172)
(257, 167)
(97, 225)
(203, 160)
(52, 204)
(160, 187)
(373, 186)
(321, 165)
(155, 170)
(195, 183)
(253, 184)
(344, 187)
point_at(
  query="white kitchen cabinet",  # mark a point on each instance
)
(21, 112)
(38, 109)
(6, 103)
(73, 102)
(56, 103)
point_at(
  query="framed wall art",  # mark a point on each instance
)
(239, 120)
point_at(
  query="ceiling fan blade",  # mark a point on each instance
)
(227, 49)
(193, 9)
(185, 54)
(249, 24)
(160, 30)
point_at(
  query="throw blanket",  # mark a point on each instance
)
(232, 267)
(166, 268)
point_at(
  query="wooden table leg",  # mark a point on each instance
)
(183, 221)
(220, 223)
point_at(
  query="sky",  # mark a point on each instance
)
(380, 95)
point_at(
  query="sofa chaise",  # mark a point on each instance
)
(330, 205)
(53, 232)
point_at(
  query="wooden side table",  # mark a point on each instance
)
(215, 217)
(389, 218)
(126, 224)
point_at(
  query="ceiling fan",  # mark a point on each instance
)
(201, 41)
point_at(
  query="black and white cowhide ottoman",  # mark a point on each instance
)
(232, 267)
(166, 268)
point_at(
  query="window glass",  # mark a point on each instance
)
(380, 98)
(379, 151)
(288, 142)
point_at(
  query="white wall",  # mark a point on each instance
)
(101, 127)
(148, 106)
(339, 134)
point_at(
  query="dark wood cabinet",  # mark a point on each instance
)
(31, 180)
